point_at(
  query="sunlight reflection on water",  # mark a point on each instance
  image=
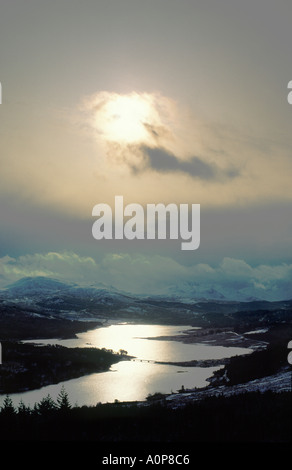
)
(135, 379)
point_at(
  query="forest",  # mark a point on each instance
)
(247, 418)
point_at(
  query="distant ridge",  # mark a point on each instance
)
(38, 282)
(46, 286)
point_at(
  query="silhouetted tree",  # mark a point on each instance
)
(7, 408)
(63, 403)
(46, 406)
(7, 418)
(123, 352)
(22, 409)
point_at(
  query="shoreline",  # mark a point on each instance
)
(209, 337)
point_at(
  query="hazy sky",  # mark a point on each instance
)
(159, 101)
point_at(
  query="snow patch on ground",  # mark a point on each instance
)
(280, 382)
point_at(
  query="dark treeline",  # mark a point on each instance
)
(18, 323)
(261, 363)
(251, 417)
(28, 366)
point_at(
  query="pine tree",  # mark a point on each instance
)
(23, 410)
(7, 408)
(63, 400)
(46, 406)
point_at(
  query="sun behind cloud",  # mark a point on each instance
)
(124, 118)
(133, 118)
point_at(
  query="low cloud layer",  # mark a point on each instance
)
(232, 279)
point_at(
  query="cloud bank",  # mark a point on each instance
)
(232, 279)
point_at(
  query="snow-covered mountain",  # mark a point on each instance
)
(29, 286)
(53, 297)
(52, 294)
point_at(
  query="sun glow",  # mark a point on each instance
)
(126, 126)
(127, 119)
(134, 118)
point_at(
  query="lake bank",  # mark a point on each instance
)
(146, 366)
(28, 366)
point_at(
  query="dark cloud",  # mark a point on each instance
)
(163, 161)
(157, 132)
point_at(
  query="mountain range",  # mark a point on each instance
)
(48, 296)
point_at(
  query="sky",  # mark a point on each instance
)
(161, 101)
